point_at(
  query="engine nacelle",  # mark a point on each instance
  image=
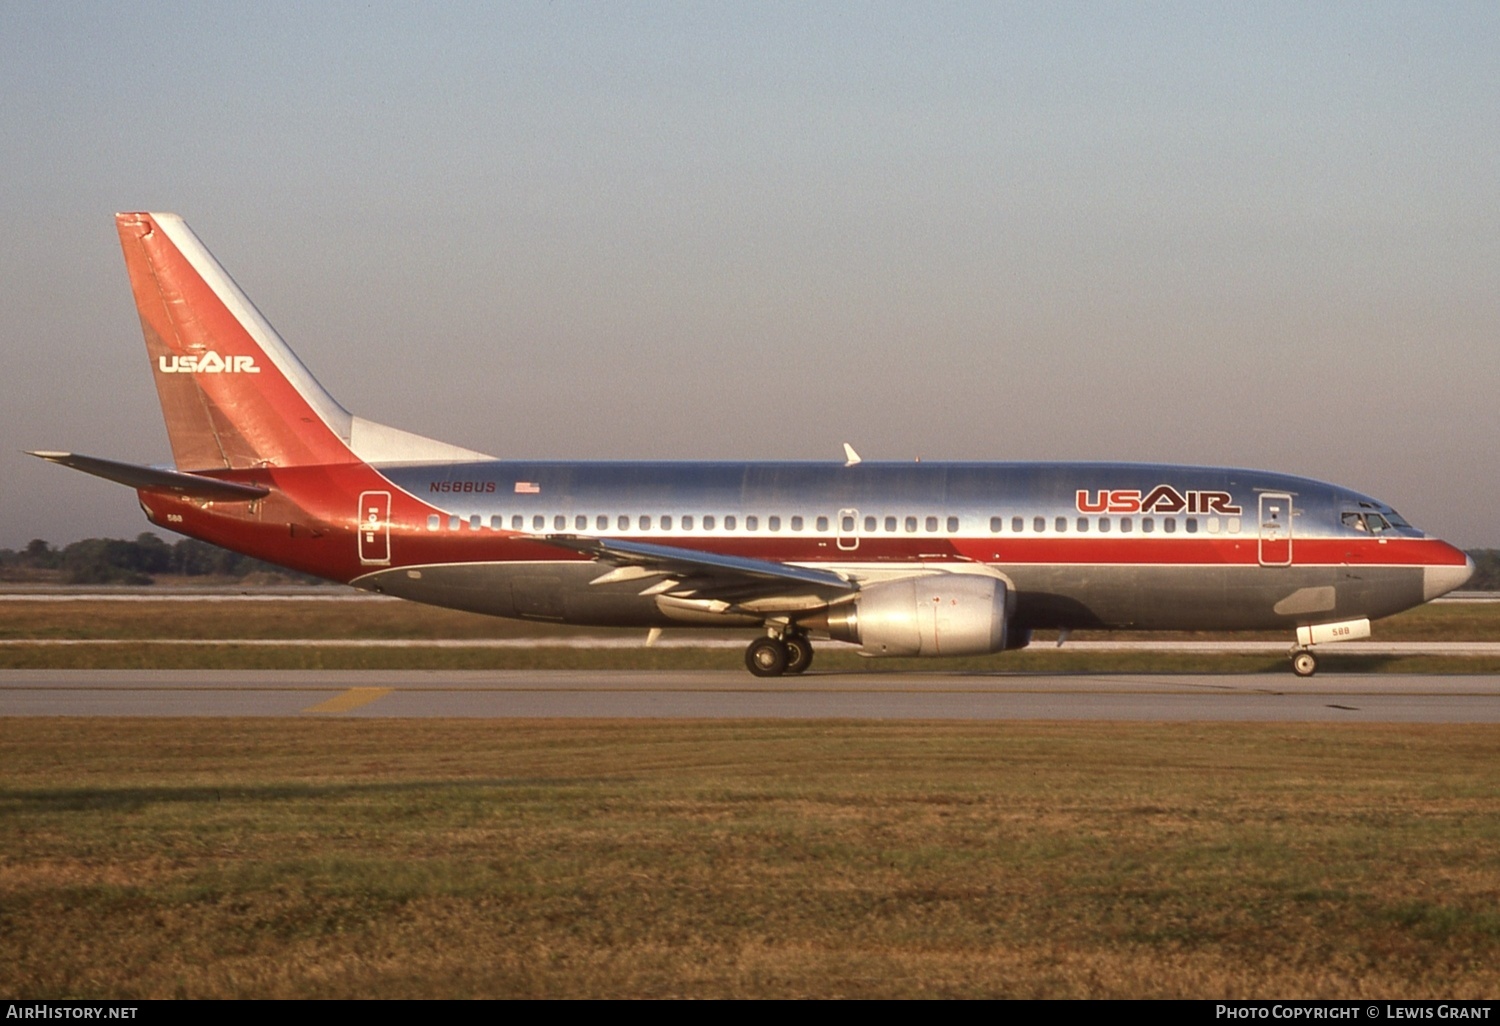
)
(936, 615)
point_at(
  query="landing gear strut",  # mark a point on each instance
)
(771, 657)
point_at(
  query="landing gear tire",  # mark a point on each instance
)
(766, 657)
(799, 653)
(1304, 664)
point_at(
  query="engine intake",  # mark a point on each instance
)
(936, 615)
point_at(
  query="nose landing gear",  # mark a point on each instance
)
(1304, 663)
(772, 657)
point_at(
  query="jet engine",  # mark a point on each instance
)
(936, 615)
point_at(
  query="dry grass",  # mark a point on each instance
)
(418, 858)
(145, 656)
(131, 623)
(266, 618)
(269, 618)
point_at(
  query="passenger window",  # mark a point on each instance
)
(752, 523)
(869, 525)
(729, 523)
(1104, 525)
(931, 524)
(687, 522)
(517, 522)
(1213, 525)
(953, 525)
(1061, 525)
(1169, 525)
(453, 523)
(1125, 525)
(796, 523)
(476, 522)
(1148, 524)
(434, 521)
(1083, 525)
(495, 522)
(995, 523)
(1018, 524)
(623, 523)
(580, 523)
(645, 523)
(601, 522)
(773, 523)
(823, 523)
(1191, 524)
(708, 522)
(1039, 525)
(666, 523)
(1234, 525)
(538, 522)
(559, 523)
(890, 525)
(911, 525)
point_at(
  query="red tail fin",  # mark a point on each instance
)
(232, 393)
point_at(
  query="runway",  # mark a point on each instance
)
(714, 694)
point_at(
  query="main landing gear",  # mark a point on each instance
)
(772, 657)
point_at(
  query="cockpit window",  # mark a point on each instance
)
(1373, 520)
(1371, 523)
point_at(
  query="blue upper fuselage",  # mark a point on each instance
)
(973, 492)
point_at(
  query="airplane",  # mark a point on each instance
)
(900, 559)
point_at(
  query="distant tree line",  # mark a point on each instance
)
(1486, 570)
(116, 561)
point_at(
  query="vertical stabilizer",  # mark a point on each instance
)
(232, 392)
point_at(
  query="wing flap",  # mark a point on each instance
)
(674, 558)
(700, 577)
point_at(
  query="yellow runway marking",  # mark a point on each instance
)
(351, 699)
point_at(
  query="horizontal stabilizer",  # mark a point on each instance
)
(152, 479)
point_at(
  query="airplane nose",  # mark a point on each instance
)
(1439, 580)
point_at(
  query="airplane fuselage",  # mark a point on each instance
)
(1104, 545)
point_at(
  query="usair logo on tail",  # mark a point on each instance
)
(209, 363)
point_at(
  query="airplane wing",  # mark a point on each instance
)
(711, 580)
(152, 479)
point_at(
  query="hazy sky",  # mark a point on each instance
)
(1262, 235)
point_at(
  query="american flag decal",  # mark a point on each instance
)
(528, 488)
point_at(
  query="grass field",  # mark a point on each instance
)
(419, 859)
(134, 625)
(389, 858)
